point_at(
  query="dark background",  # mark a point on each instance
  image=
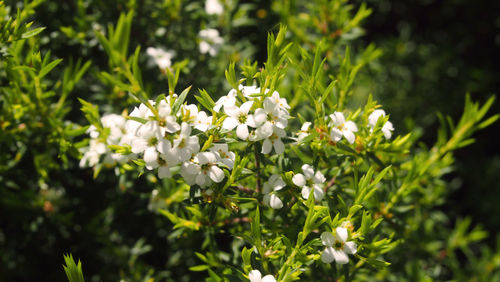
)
(434, 53)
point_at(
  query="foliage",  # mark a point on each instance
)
(73, 271)
(293, 174)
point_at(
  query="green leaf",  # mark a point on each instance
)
(46, 69)
(202, 267)
(246, 256)
(180, 100)
(32, 32)
(73, 271)
(255, 227)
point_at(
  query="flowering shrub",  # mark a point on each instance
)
(299, 180)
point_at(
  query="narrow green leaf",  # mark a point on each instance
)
(32, 32)
(180, 100)
(46, 69)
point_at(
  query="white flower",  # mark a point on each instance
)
(210, 41)
(279, 102)
(202, 170)
(225, 156)
(147, 141)
(93, 153)
(160, 56)
(256, 276)
(273, 113)
(229, 101)
(274, 141)
(167, 121)
(275, 183)
(133, 126)
(336, 246)
(342, 128)
(199, 119)
(387, 128)
(310, 180)
(304, 131)
(213, 7)
(116, 125)
(167, 159)
(203, 122)
(239, 118)
(185, 145)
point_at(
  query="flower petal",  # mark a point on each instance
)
(245, 108)
(242, 131)
(341, 234)
(268, 278)
(275, 202)
(306, 191)
(254, 276)
(150, 155)
(349, 136)
(279, 147)
(350, 248)
(299, 179)
(216, 174)
(259, 116)
(267, 146)
(340, 257)
(337, 118)
(336, 134)
(351, 126)
(318, 192)
(327, 255)
(308, 171)
(327, 239)
(229, 123)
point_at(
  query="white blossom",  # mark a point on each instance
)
(198, 119)
(256, 276)
(304, 131)
(117, 135)
(387, 128)
(274, 141)
(213, 7)
(337, 247)
(161, 57)
(341, 127)
(310, 181)
(210, 41)
(275, 183)
(202, 170)
(239, 117)
(225, 156)
(185, 145)
(167, 121)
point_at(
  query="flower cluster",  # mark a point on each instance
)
(166, 140)
(256, 119)
(113, 133)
